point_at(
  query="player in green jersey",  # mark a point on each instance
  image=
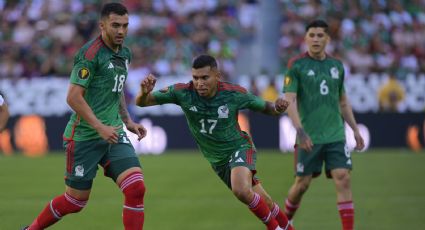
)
(94, 134)
(4, 113)
(211, 108)
(314, 85)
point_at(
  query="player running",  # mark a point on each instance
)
(211, 108)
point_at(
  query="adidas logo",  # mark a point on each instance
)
(310, 73)
(239, 160)
(110, 66)
(193, 108)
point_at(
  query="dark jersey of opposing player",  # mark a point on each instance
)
(102, 73)
(319, 84)
(213, 122)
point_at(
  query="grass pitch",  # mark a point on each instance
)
(183, 193)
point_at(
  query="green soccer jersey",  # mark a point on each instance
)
(102, 73)
(319, 84)
(213, 122)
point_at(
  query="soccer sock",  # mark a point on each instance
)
(259, 207)
(290, 208)
(133, 214)
(280, 217)
(56, 209)
(346, 212)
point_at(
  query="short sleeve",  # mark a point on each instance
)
(252, 102)
(165, 95)
(290, 83)
(82, 72)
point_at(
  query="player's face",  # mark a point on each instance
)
(205, 81)
(114, 29)
(316, 39)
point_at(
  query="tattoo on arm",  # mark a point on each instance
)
(301, 134)
(125, 117)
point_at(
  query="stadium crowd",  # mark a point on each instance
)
(40, 38)
(369, 35)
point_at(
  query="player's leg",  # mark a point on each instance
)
(241, 181)
(274, 208)
(72, 201)
(341, 178)
(295, 195)
(82, 159)
(338, 166)
(307, 165)
(241, 184)
(123, 166)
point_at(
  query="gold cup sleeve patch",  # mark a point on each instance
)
(287, 80)
(83, 73)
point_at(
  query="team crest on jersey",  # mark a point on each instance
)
(164, 90)
(83, 73)
(300, 168)
(223, 111)
(79, 171)
(287, 80)
(334, 73)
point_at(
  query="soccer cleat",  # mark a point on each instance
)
(26, 228)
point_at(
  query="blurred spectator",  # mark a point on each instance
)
(370, 36)
(270, 93)
(390, 95)
(253, 88)
(38, 38)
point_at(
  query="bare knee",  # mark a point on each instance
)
(301, 186)
(244, 194)
(342, 180)
(78, 194)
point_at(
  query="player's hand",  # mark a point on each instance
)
(147, 85)
(137, 129)
(109, 133)
(280, 105)
(359, 141)
(304, 140)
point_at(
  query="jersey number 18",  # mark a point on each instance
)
(119, 83)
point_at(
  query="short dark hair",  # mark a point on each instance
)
(113, 7)
(204, 60)
(317, 23)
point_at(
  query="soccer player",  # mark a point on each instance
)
(94, 134)
(314, 86)
(211, 108)
(4, 113)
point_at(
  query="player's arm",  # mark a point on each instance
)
(145, 97)
(347, 114)
(276, 108)
(132, 126)
(75, 99)
(304, 140)
(4, 113)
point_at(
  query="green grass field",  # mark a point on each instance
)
(184, 193)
